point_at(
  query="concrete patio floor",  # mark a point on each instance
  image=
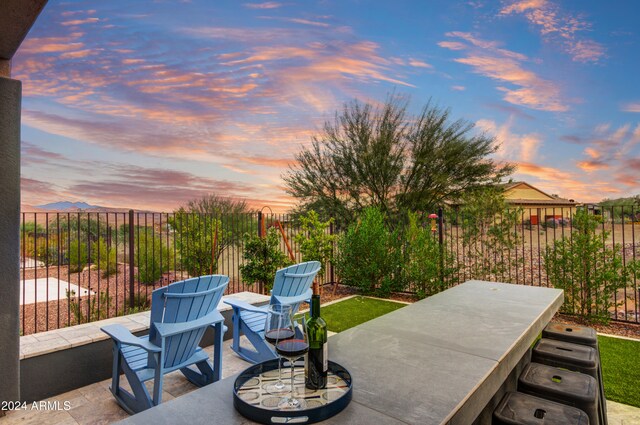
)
(95, 405)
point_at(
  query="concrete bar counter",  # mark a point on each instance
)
(443, 360)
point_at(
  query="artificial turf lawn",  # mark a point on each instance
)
(349, 313)
(621, 369)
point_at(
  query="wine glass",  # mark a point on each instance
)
(278, 327)
(293, 348)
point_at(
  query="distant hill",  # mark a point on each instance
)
(69, 206)
(630, 201)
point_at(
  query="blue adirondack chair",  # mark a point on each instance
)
(180, 314)
(292, 285)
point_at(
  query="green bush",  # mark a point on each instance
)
(105, 256)
(589, 271)
(314, 241)
(78, 256)
(368, 254)
(200, 239)
(427, 266)
(263, 258)
(489, 234)
(49, 255)
(152, 256)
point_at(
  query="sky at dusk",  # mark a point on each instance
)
(147, 104)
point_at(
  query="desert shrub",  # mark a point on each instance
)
(263, 258)
(105, 257)
(368, 254)
(152, 256)
(48, 254)
(587, 269)
(314, 241)
(489, 234)
(427, 267)
(90, 308)
(78, 256)
(200, 239)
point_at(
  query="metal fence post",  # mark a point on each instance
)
(131, 262)
(260, 224)
(331, 269)
(441, 244)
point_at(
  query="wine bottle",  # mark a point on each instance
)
(317, 359)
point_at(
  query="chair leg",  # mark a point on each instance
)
(217, 351)
(140, 399)
(202, 378)
(157, 381)
(115, 371)
(235, 345)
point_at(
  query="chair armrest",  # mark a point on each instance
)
(122, 335)
(297, 299)
(169, 329)
(242, 305)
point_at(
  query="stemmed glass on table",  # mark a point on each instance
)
(278, 327)
(293, 349)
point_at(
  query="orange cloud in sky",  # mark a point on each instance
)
(80, 21)
(522, 6)
(592, 165)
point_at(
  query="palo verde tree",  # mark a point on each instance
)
(204, 228)
(396, 162)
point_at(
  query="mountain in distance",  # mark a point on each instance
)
(69, 206)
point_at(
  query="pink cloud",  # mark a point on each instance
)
(631, 107)
(308, 22)
(264, 5)
(559, 28)
(533, 91)
(512, 147)
(419, 64)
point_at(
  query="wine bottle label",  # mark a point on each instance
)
(325, 357)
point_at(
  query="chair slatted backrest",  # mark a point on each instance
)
(183, 302)
(294, 280)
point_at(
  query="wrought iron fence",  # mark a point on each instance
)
(85, 266)
(529, 244)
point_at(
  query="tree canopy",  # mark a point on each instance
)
(381, 156)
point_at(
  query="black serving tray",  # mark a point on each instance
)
(255, 403)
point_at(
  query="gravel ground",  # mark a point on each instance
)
(630, 330)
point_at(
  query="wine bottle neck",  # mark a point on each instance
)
(315, 306)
